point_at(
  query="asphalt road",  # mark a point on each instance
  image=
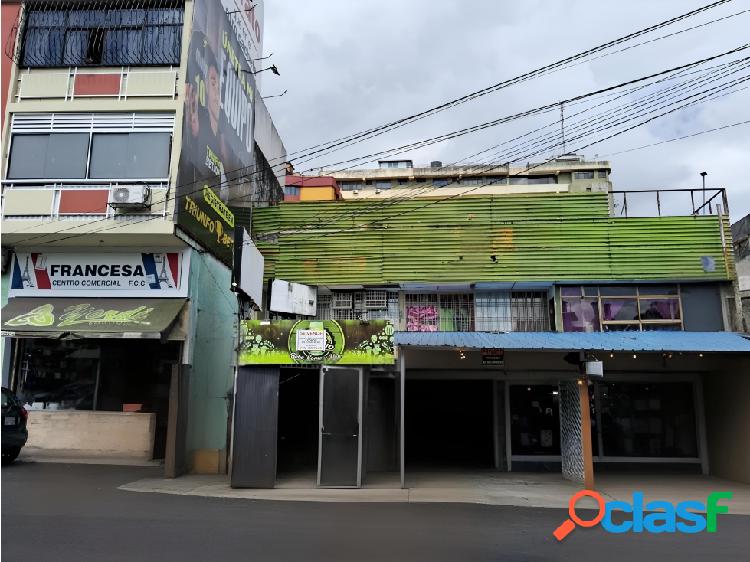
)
(75, 512)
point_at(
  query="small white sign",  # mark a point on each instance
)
(293, 298)
(311, 340)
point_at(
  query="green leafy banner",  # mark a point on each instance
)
(317, 342)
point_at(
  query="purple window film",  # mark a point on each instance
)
(619, 309)
(660, 309)
(580, 315)
(570, 291)
(421, 318)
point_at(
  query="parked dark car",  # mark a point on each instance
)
(14, 426)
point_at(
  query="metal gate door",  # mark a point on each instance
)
(340, 443)
(256, 408)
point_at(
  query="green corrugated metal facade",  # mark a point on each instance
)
(545, 237)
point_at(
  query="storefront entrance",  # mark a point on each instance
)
(299, 395)
(449, 424)
(97, 376)
(635, 425)
(340, 445)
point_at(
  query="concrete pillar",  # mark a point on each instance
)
(575, 433)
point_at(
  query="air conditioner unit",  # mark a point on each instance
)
(129, 197)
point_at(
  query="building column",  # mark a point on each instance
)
(402, 389)
(575, 433)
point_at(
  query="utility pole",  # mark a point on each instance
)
(562, 126)
(703, 177)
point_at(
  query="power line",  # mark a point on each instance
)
(595, 49)
(157, 217)
(325, 151)
(387, 202)
(342, 142)
(547, 107)
(423, 143)
(508, 82)
(528, 168)
(674, 139)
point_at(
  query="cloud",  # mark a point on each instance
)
(349, 66)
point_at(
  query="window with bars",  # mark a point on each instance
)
(614, 308)
(512, 311)
(370, 304)
(439, 312)
(83, 34)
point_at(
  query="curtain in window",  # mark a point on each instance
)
(161, 44)
(122, 46)
(43, 47)
(130, 37)
(76, 45)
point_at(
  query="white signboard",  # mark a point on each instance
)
(251, 270)
(131, 274)
(293, 298)
(311, 340)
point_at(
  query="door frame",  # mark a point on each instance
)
(321, 391)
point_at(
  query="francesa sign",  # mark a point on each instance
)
(126, 274)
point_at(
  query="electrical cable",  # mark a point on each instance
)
(241, 170)
(528, 168)
(508, 82)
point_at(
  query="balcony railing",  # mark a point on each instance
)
(75, 201)
(115, 83)
(669, 202)
(486, 311)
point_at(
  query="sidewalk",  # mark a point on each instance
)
(489, 488)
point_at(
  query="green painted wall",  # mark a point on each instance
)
(213, 315)
(546, 237)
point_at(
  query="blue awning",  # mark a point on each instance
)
(709, 342)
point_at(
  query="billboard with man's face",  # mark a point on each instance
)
(216, 161)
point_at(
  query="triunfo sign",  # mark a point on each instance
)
(216, 166)
(317, 342)
(126, 274)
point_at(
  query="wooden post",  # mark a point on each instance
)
(588, 459)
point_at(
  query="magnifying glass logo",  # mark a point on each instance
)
(569, 524)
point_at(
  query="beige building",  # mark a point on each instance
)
(399, 178)
(134, 140)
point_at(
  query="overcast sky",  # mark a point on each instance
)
(351, 65)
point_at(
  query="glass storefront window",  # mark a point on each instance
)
(648, 419)
(58, 375)
(535, 419)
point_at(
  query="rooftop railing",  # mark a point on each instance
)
(669, 202)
